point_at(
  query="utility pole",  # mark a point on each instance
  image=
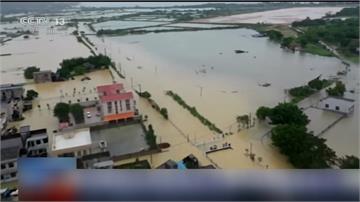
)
(140, 88)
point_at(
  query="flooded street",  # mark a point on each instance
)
(203, 68)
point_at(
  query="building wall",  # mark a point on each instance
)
(121, 107)
(9, 170)
(343, 106)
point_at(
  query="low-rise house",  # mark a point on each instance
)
(37, 144)
(116, 104)
(10, 152)
(75, 143)
(338, 104)
(42, 76)
(12, 101)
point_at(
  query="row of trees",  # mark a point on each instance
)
(193, 111)
(303, 149)
(163, 111)
(301, 92)
(78, 66)
(62, 110)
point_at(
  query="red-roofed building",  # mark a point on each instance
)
(116, 104)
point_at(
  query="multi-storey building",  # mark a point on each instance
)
(116, 104)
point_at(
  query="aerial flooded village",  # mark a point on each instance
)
(258, 86)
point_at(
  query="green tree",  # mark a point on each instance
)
(303, 149)
(164, 112)
(150, 137)
(61, 111)
(349, 162)
(78, 113)
(263, 112)
(288, 113)
(287, 41)
(338, 90)
(31, 94)
(29, 71)
(316, 83)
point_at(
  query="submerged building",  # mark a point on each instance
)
(338, 104)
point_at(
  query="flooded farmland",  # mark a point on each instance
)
(204, 69)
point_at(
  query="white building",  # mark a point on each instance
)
(74, 143)
(338, 104)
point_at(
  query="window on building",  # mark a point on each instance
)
(13, 174)
(326, 105)
(120, 103)
(116, 107)
(2, 177)
(78, 153)
(127, 103)
(3, 166)
(38, 142)
(337, 108)
(11, 164)
(45, 140)
(118, 91)
(109, 107)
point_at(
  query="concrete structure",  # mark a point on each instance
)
(338, 104)
(116, 104)
(11, 101)
(42, 76)
(75, 143)
(37, 144)
(10, 151)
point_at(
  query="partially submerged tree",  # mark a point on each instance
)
(29, 71)
(349, 162)
(338, 90)
(78, 113)
(61, 111)
(31, 94)
(303, 149)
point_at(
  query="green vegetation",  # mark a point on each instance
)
(61, 111)
(317, 49)
(79, 66)
(290, 135)
(31, 94)
(349, 162)
(274, 35)
(263, 112)
(338, 90)
(301, 92)
(286, 113)
(193, 111)
(78, 113)
(122, 32)
(347, 12)
(29, 71)
(144, 94)
(164, 112)
(343, 34)
(303, 149)
(151, 137)
(244, 120)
